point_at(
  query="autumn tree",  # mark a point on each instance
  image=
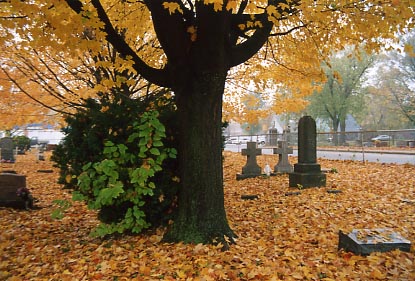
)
(47, 82)
(396, 75)
(202, 41)
(381, 112)
(341, 94)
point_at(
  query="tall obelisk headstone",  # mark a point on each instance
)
(307, 173)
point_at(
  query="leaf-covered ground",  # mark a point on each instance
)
(280, 237)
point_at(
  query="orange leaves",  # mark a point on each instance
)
(172, 7)
(280, 237)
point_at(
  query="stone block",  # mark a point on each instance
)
(366, 241)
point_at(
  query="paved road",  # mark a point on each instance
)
(384, 157)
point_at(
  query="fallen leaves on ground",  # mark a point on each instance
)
(280, 237)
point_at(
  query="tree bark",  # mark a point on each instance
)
(201, 216)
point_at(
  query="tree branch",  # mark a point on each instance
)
(243, 51)
(156, 76)
(171, 29)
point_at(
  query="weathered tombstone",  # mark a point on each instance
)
(251, 168)
(283, 165)
(307, 173)
(6, 150)
(40, 153)
(287, 135)
(272, 136)
(13, 191)
(366, 241)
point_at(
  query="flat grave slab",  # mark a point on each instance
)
(366, 241)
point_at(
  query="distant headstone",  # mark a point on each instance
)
(13, 191)
(307, 173)
(272, 136)
(283, 165)
(366, 241)
(287, 135)
(40, 153)
(6, 150)
(251, 168)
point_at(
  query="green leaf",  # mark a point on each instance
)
(77, 196)
(155, 151)
(106, 195)
(157, 143)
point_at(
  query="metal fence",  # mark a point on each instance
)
(381, 138)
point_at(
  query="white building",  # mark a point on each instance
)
(42, 133)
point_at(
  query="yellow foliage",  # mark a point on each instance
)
(67, 43)
(231, 5)
(193, 33)
(172, 7)
(409, 49)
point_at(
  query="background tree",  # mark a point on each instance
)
(202, 41)
(381, 111)
(341, 94)
(396, 75)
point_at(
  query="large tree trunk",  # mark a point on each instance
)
(201, 216)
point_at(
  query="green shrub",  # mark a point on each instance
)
(108, 147)
(22, 143)
(123, 179)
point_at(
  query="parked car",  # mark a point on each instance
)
(382, 138)
(236, 140)
(245, 139)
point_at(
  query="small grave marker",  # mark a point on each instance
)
(283, 165)
(249, 197)
(6, 150)
(40, 153)
(292, 193)
(307, 173)
(251, 168)
(366, 241)
(13, 191)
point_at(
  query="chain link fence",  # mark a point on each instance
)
(404, 138)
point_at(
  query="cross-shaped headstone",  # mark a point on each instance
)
(283, 165)
(251, 168)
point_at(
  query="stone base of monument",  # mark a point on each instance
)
(246, 176)
(306, 180)
(366, 241)
(307, 175)
(282, 170)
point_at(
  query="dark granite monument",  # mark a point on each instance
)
(307, 173)
(283, 165)
(6, 150)
(366, 241)
(13, 191)
(251, 168)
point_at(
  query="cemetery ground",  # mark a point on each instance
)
(281, 237)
